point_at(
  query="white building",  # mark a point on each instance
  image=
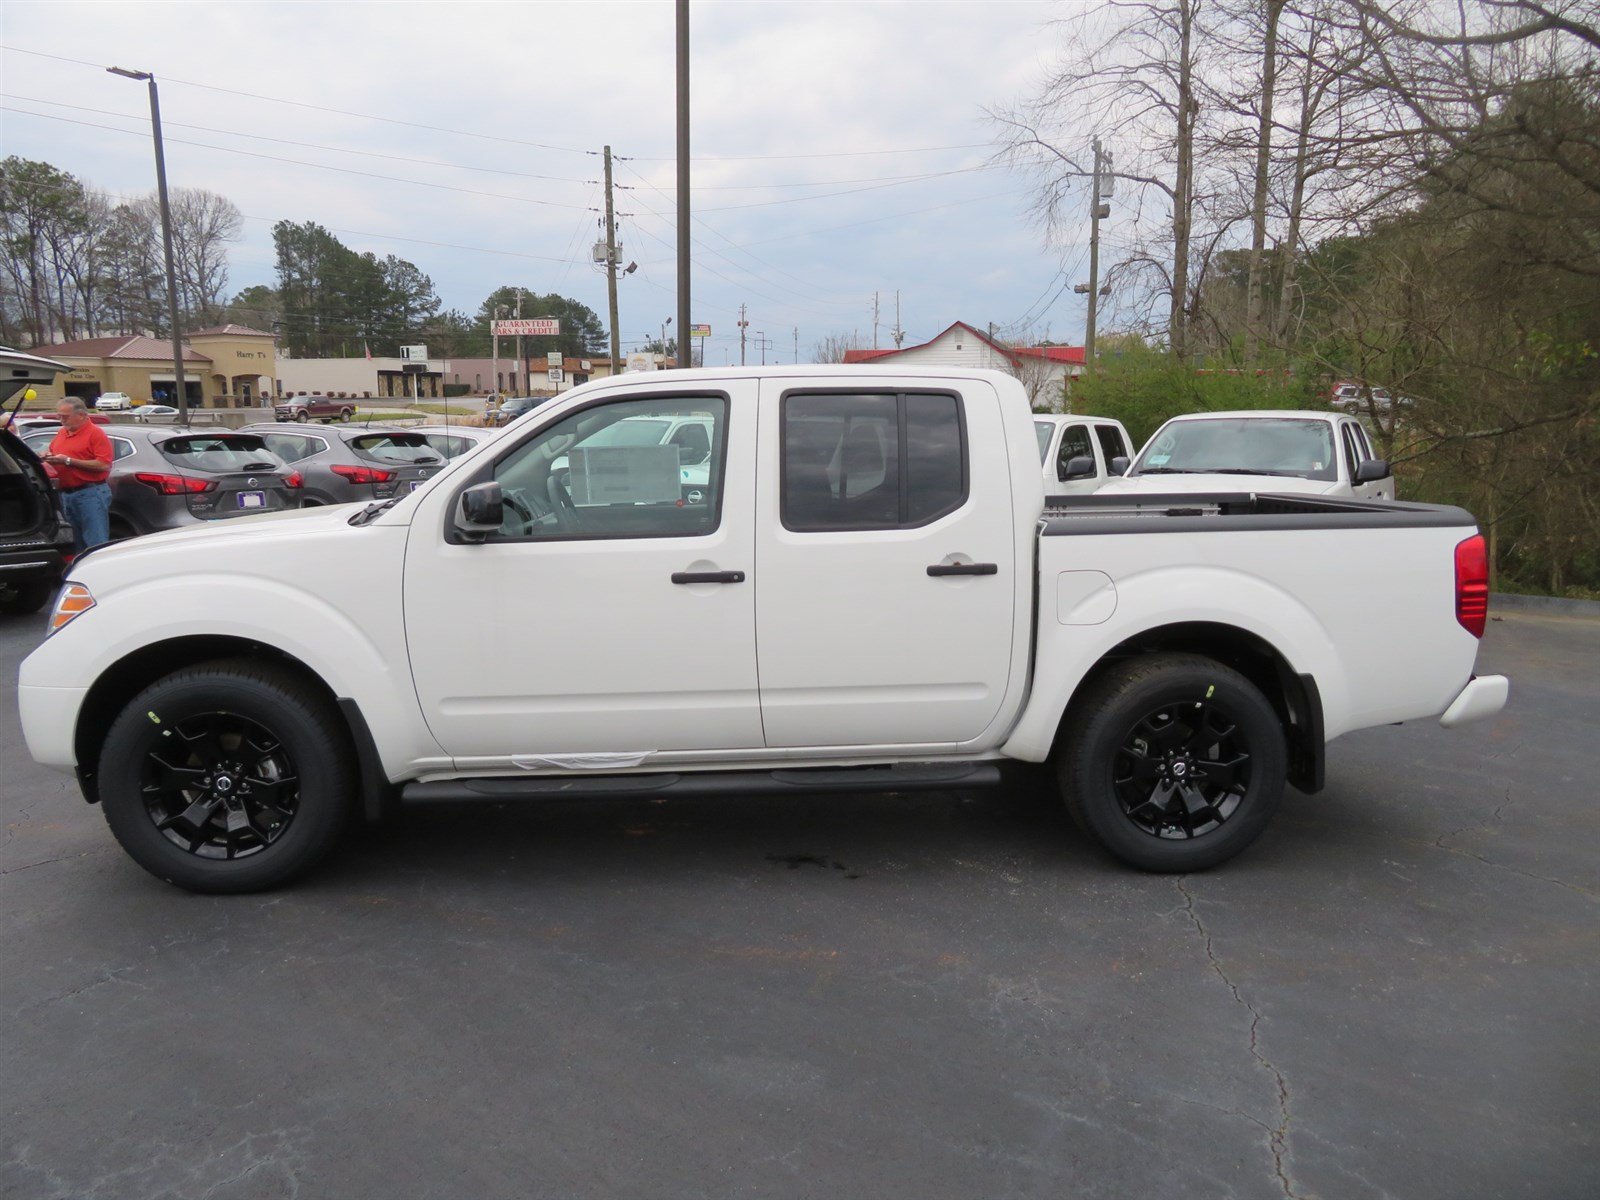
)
(1045, 371)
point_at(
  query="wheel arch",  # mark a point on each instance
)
(1293, 695)
(125, 678)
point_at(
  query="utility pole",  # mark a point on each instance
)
(743, 325)
(762, 338)
(797, 345)
(180, 390)
(898, 333)
(874, 320)
(611, 266)
(527, 389)
(683, 172)
(1097, 213)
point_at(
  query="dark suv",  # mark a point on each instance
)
(35, 540)
(352, 463)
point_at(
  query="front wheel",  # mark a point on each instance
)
(1173, 762)
(345, 414)
(302, 416)
(232, 776)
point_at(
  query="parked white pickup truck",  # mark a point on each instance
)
(869, 593)
(1307, 452)
(1079, 454)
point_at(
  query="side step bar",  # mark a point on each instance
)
(905, 777)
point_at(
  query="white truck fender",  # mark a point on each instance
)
(1155, 599)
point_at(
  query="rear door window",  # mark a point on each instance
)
(292, 447)
(871, 461)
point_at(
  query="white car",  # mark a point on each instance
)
(1079, 454)
(114, 402)
(1314, 453)
(156, 414)
(871, 593)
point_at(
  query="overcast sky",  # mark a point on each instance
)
(840, 149)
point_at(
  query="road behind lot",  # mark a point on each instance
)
(1394, 993)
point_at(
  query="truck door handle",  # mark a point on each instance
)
(940, 569)
(708, 577)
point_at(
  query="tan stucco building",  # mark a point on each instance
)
(226, 366)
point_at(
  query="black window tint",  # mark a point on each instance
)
(1074, 444)
(291, 447)
(1111, 443)
(233, 452)
(935, 475)
(395, 447)
(1352, 455)
(871, 461)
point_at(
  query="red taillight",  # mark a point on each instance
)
(1472, 584)
(294, 480)
(175, 485)
(362, 474)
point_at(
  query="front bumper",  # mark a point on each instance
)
(1483, 697)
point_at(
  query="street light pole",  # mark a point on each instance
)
(683, 172)
(166, 238)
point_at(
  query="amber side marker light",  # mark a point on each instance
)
(74, 601)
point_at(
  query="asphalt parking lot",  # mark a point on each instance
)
(1395, 993)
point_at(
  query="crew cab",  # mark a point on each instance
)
(1309, 452)
(870, 591)
(1079, 454)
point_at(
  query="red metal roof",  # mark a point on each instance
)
(1072, 355)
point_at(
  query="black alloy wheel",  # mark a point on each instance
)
(1172, 762)
(230, 776)
(1182, 770)
(220, 786)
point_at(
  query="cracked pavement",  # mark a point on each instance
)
(1393, 994)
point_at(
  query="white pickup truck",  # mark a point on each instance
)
(867, 592)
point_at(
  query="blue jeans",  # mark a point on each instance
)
(89, 510)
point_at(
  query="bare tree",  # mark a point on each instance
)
(832, 348)
(203, 224)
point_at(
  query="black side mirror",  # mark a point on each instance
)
(1373, 470)
(1118, 465)
(1078, 467)
(481, 510)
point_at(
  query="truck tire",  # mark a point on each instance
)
(1172, 762)
(24, 598)
(230, 776)
(302, 416)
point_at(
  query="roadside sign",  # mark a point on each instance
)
(700, 331)
(641, 362)
(554, 358)
(414, 353)
(556, 374)
(528, 327)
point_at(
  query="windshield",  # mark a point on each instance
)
(212, 452)
(1242, 446)
(395, 447)
(1042, 430)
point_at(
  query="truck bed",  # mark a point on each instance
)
(1200, 512)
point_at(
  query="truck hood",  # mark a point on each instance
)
(293, 523)
(1164, 484)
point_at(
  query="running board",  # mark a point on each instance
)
(906, 777)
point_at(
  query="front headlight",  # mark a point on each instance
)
(73, 601)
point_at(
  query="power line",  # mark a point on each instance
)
(444, 187)
(510, 141)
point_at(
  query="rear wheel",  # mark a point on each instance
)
(1174, 762)
(232, 776)
(345, 414)
(24, 598)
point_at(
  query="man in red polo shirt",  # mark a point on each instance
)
(81, 455)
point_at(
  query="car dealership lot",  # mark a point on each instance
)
(1392, 993)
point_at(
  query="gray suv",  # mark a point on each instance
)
(349, 464)
(169, 478)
